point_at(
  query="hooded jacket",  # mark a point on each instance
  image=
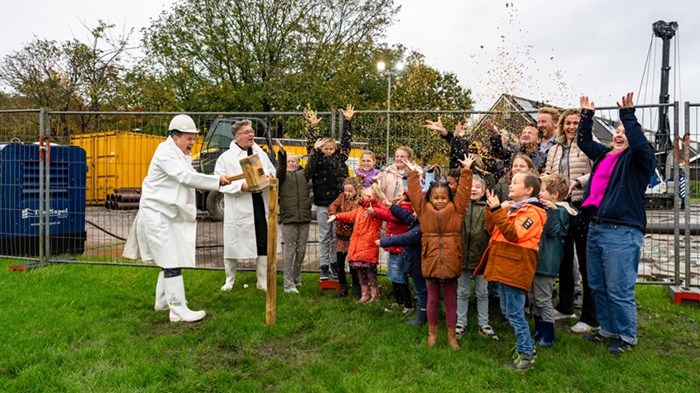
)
(511, 257)
(441, 252)
(623, 202)
(366, 231)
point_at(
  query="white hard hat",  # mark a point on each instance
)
(183, 123)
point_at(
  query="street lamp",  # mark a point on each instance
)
(381, 67)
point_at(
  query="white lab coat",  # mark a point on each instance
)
(239, 222)
(165, 227)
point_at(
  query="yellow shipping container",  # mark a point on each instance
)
(115, 159)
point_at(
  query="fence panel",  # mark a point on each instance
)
(689, 187)
(119, 146)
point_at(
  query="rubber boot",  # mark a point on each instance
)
(374, 291)
(538, 328)
(432, 334)
(261, 273)
(452, 338)
(161, 299)
(421, 318)
(175, 292)
(365, 294)
(547, 334)
(230, 270)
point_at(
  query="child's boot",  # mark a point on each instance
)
(421, 318)
(452, 337)
(547, 334)
(538, 328)
(375, 294)
(432, 334)
(365, 294)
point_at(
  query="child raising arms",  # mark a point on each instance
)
(440, 214)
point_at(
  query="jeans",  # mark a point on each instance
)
(481, 292)
(420, 288)
(395, 272)
(514, 300)
(326, 237)
(613, 258)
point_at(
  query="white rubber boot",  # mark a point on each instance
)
(261, 273)
(175, 291)
(230, 269)
(161, 299)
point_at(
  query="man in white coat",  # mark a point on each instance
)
(165, 227)
(245, 212)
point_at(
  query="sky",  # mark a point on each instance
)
(548, 50)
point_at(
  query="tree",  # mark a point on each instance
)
(266, 54)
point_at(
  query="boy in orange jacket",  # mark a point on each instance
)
(511, 256)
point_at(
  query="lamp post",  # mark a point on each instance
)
(381, 67)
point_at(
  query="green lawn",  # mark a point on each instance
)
(80, 328)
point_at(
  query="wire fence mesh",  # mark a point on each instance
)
(118, 148)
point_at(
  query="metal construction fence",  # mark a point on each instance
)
(70, 181)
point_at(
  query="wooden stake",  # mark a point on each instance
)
(271, 298)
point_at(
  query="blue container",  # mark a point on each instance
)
(19, 199)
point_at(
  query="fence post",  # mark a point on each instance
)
(676, 206)
(686, 197)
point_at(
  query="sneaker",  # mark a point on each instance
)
(459, 331)
(582, 327)
(596, 338)
(558, 316)
(291, 290)
(619, 346)
(408, 310)
(392, 307)
(540, 342)
(521, 362)
(325, 274)
(487, 331)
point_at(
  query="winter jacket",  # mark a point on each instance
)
(294, 194)
(441, 252)
(391, 181)
(552, 239)
(507, 154)
(579, 165)
(328, 173)
(367, 176)
(475, 238)
(343, 230)
(394, 226)
(511, 257)
(365, 233)
(409, 241)
(459, 146)
(624, 200)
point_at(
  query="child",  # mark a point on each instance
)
(363, 252)
(396, 272)
(511, 256)
(367, 171)
(347, 201)
(295, 216)
(475, 238)
(440, 214)
(554, 189)
(410, 241)
(326, 169)
(521, 164)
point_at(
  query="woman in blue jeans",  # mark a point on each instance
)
(614, 201)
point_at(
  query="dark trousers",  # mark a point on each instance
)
(340, 267)
(577, 239)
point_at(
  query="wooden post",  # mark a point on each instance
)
(271, 298)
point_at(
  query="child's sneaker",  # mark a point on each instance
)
(596, 338)
(619, 346)
(459, 331)
(392, 307)
(521, 362)
(487, 331)
(558, 315)
(582, 328)
(408, 310)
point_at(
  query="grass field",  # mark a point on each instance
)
(81, 328)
